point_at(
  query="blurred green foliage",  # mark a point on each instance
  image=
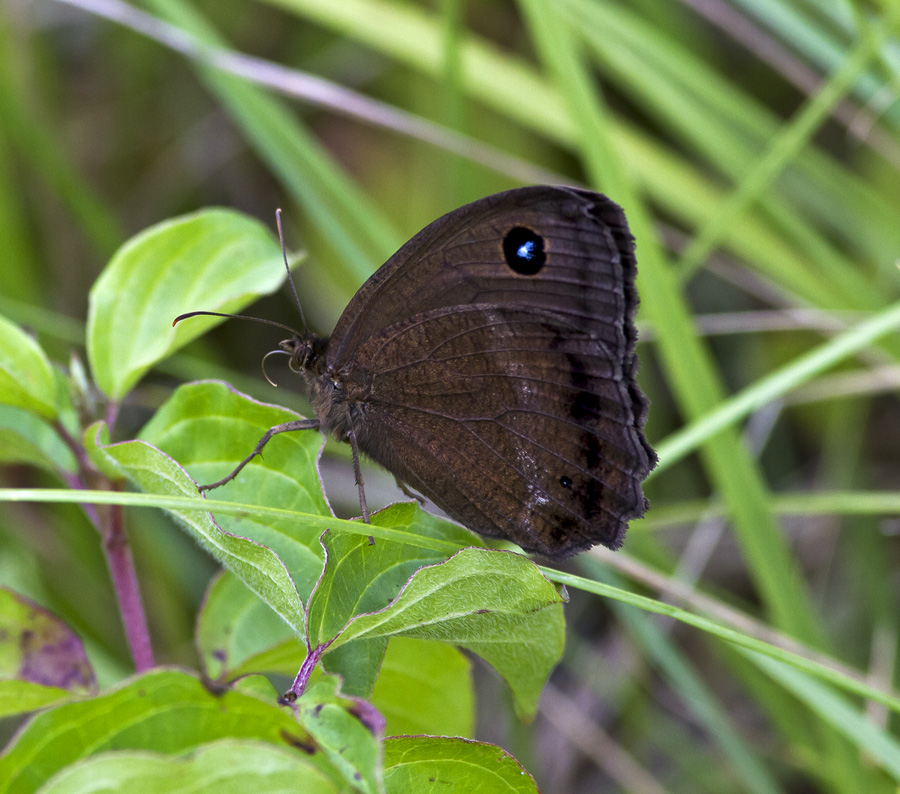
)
(755, 148)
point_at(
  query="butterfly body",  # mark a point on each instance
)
(489, 364)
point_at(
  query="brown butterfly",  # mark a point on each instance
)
(489, 364)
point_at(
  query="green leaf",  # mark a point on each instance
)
(164, 711)
(495, 603)
(208, 427)
(258, 686)
(228, 766)
(27, 438)
(155, 472)
(235, 627)
(425, 687)
(357, 664)
(284, 659)
(26, 377)
(455, 766)
(360, 578)
(37, 646)
(214, 260)
(347, 730)
(20, 697)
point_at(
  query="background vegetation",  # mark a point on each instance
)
(755, 149)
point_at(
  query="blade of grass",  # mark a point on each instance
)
(164, 502)
(353, 225)
(412, 37)
(687, 362)
(695, 695)
(793, 137)
(454, 115)
(318, 92)
(729, 130)
(20, 282)
(822, 44)
(776, 384)
(868, 738)
(728, 462)
(820, 503)
(38, 143)
(844, 680)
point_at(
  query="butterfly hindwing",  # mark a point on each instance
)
(492, 362)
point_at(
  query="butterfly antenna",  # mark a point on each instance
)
(288, 269)
(181, 317)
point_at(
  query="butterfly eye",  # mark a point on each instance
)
(524, 251)
(565, 482)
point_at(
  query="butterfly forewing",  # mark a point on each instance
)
(459, 259)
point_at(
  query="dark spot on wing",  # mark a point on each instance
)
(590, 496)
(523, 250)
(591, 450)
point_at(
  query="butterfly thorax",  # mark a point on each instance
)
(324, 388)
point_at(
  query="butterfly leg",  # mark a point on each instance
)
(287, 427)
(407, 491)
(357, 472)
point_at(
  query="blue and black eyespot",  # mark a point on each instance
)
(524, 251)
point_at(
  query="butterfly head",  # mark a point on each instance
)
(307, 353)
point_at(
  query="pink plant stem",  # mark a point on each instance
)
(111, 527)
(76, 481)
(128, 594)
(306, 669)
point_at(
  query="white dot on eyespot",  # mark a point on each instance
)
(526, 250)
